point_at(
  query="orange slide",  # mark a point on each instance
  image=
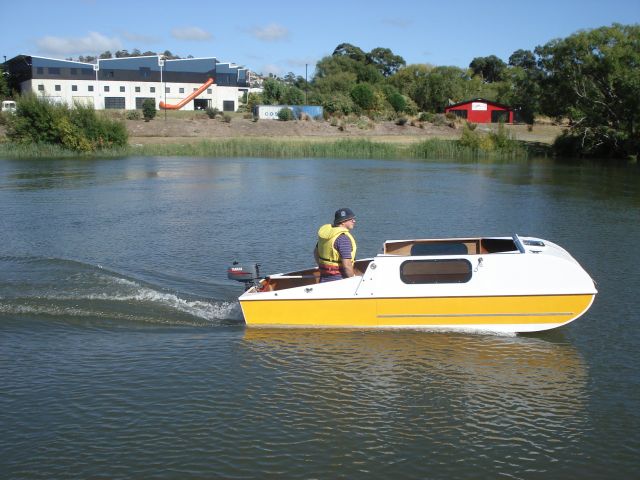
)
(168, 106)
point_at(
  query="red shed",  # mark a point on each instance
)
(479, 110)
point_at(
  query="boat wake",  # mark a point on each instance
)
(50, 287)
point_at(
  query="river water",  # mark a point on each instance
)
(123, 352)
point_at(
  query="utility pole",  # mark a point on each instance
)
(306, 83)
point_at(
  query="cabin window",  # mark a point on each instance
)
(435, 271)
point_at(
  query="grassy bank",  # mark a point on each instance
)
(247, 147)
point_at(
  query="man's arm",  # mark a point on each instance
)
(316, 255)
(347, 267)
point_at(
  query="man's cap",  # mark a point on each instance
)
(342, 215)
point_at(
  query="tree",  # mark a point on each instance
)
(350, 51)
(593, 78)
(273, 91)
(489, 68)
(4, 84)
(524, 59)
(385, 61)
(106, 54)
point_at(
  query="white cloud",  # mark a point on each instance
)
(271, 33)
(195, 34)
(91, 44)
(138, 38)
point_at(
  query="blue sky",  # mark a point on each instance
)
(281, 36)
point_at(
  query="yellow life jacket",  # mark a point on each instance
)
(327, 235)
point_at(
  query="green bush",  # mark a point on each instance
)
(149, 109)
(398, 102)
(470, 138)
(212, 112)
(38, 121)
(226, 118)
(286, 114)
(133, 115)
(363, 96)
(402, 121)
(471, 126)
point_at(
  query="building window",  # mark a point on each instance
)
(58, 88)
(106, 88)
(40, 70)
(209, 91)
(152, 89)
(114, 102)
(145, 72)
(41, 88)
(74, 88)
(167, 90)
(228, 105)
(435, 271)
(91, 88)
(140, 101)
(181, 90)
(54, 71)
(137, 89)
(73, 71)
(122, 89)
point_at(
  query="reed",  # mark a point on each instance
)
(268, 148)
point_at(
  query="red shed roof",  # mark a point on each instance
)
(484, 100)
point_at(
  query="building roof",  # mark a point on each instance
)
(483, 100)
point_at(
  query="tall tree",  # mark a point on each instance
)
(593, 77)
(489, 68)
(351, 51)
(385, 61)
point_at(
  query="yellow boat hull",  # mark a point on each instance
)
(504, 313)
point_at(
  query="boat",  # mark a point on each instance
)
(491, 284)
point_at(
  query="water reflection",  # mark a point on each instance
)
(378, 398)
(522, 370)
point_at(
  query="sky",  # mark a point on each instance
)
(291, 36)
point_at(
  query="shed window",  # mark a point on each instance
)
(41, 88)
(152, 89)
(58, 88)
(90, 88)
(435, 271)
(106, 88)
(459, 113)
(181, 90)
(122, 89)
(74, 88)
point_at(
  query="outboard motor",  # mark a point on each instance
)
(248, 273)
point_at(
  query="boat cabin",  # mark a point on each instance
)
(455, 269)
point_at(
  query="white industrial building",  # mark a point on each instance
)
(124, 83)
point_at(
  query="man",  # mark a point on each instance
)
(335, 252)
